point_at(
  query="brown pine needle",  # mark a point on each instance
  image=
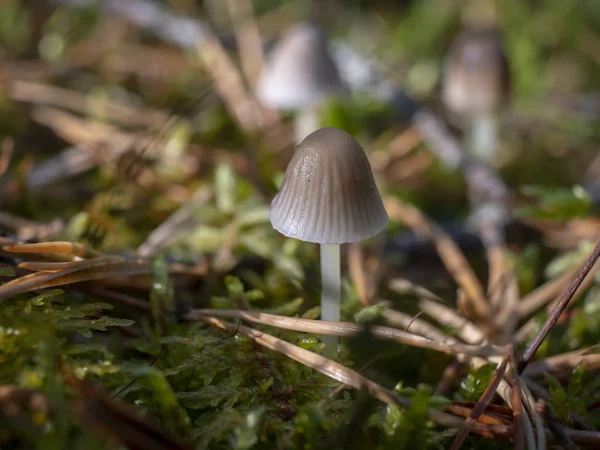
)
(503, 290)
(96, 269)
(41, 94)
(348, 329)
(544, 294)
(466, 330)
(356, 267)
(57, 248)
(452, 257)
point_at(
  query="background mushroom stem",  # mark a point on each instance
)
(483, 137)
(330, 291)
(306, 120)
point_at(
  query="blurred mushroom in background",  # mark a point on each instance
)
(476, 88)
(300, 73)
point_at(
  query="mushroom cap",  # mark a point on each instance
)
(476, 73)
(328, 194)
(300, 71)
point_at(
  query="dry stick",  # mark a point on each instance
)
(345, 329)
(454, 260)
(562, 303)
(482, 403)
(345, 375)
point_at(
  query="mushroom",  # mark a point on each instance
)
(300, 73)
(328, 196)
(476, 86)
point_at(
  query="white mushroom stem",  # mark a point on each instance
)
(483, 137)
(305, 122)
(330, 291)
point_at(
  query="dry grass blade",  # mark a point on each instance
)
(407, 322)
(347, 376)
(27, 91)
(402, 286)
(561, 304)
(96, 269)
(346, 329)
(229, 84)
(564, 363)
(28, 229)
(482, 403)
(466, 330)
(454, 260)
(54, 248)
(114, 420)
(248, 38)
(527, 328)
(356, 268)
(7, 146)
(544, 294)
(503, 289)
(168, 230)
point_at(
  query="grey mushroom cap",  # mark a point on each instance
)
(476, 73)
(328, 194)
(300, 71)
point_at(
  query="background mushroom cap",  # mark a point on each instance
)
(476, 73)
(328, 194)
(300, 70)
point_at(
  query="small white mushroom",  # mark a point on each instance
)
(299, 74)
(329, 196)
(476, 86)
